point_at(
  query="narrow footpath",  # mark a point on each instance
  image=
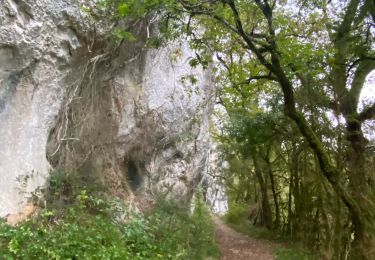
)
(236, 246)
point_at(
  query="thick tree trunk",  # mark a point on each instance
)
(266, 213)
(364, 243)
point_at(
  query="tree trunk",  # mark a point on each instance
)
(266, 213)
(274, 194)
(363, 244)
(289, 225)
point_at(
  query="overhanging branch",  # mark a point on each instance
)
(367, 113)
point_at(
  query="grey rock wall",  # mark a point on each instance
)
(214, 184)
(117, 112)
(37, 43)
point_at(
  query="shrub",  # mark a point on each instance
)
(203, 231)
(190, 236)
(85, 225)
(75, 236)
(237, 213)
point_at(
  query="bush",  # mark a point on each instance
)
(73, 237)
(85, 225)
(236, 214)
(189, 236)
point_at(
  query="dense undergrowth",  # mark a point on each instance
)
(237, 218)
(78, 222)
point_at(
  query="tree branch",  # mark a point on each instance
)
(364, 68)
(246, 37)
(258, 77)
(349, 16)
(367, 113)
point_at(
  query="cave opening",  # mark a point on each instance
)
(133, 176)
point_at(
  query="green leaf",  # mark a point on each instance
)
(124, 35)
(123, 9)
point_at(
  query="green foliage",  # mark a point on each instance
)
(180, 231)
(294, 254)
(238, 218)
(237, 213)
(244, 226)
(202, 232)
(80, 224)
(124, 14)
(76, 235)
(124, 35)
(66, 188)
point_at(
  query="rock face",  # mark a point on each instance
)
(35, 41)
(213, 184)
(70, 98)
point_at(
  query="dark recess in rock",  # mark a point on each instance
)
(133, 176)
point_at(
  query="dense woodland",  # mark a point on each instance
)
(290, 75)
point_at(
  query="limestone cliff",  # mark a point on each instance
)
(70, 97)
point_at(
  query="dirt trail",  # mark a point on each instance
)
(236, 246)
